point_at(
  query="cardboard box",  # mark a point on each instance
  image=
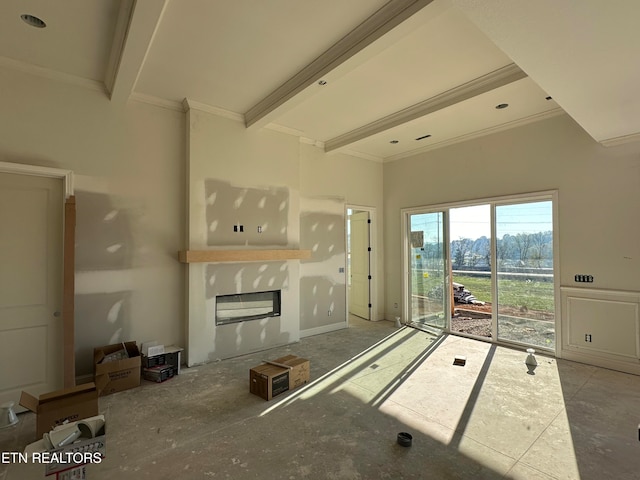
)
(278, 376)
(88, 447)
(119, 373)
(55, 408)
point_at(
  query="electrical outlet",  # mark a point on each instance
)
(235, 228)
(341, 270)
(587, 337)
(583, 278)
(242, 228)
(259, 228)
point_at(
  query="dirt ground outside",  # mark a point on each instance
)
(526, 326)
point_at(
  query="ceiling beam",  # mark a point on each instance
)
(381, 22)
(134, 35)
(496, 79)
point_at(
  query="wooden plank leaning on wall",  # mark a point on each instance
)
(68, 296)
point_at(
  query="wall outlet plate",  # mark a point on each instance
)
(583, 278)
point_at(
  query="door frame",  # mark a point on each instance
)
(504, 199)
(373, 283)
(68, 257)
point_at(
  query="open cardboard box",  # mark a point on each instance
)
(87, 445)
(118, 374)
(56, 408)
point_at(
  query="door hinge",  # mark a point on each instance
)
(369, 305)
(368, 220)
(369, 249)
(369, 277)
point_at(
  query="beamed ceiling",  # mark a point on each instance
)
(377, 79)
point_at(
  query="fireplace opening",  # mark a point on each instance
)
(241, 307)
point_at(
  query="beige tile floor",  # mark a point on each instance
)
(488, 419)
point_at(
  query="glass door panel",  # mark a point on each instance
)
(524, 267)
(428, 271)
(470, 247)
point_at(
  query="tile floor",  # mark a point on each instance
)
(488, 419)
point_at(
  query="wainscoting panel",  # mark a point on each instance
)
(602, 327)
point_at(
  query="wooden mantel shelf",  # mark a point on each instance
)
(204, 256)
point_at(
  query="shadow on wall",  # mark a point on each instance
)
(103, 234)
(228, 206)
(320, 295)
(323, 234)
(225, 279)
(250, 336)
(104, 320)
(104, 249)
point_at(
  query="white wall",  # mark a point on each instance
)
(239, 160)
(129, 179)
(223, 149)
(130, 166)
(356, 180)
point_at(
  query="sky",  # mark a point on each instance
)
(474, 222)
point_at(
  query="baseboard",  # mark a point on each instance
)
(324, 329)
(610, 363)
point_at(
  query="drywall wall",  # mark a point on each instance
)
(129, 177)
(322, 277)
(358, 182)
(598, 195)
(250, 178)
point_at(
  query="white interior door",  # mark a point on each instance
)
(31, 354)
(359, 265)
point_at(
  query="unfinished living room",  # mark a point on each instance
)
(359, 240)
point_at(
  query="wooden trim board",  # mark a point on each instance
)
(68, 296)
(204, 256)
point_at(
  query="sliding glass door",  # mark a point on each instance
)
(428, 271)
(485, 269)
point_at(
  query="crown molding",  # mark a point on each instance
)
(614, 141)
(189, 104)
(54, 75)
(478, 133)
(157, 102)
(364, 156)
(286, 130)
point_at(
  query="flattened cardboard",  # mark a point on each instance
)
(118, 375)
(55, 408)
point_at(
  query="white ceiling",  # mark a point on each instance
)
(391, 70)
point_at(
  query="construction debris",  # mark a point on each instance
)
(462, 295)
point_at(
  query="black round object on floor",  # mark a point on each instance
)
(404, 439)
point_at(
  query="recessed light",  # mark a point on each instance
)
(502, 105)
(32, 20)
(322, 82)
(394, 141)
(423, 137)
